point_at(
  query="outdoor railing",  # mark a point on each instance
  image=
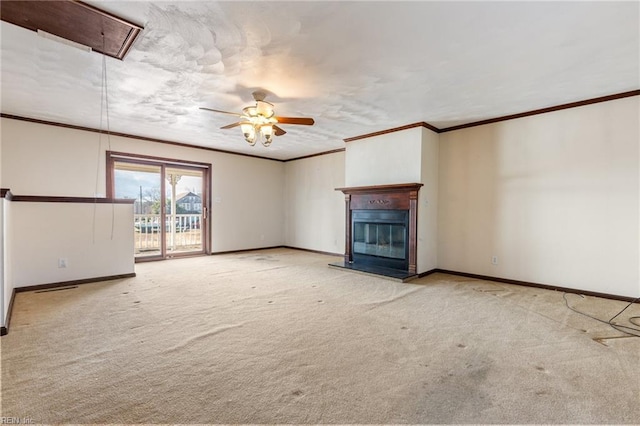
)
(184, 235)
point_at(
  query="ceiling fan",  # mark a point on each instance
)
(259, 122)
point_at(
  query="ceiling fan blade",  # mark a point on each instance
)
(232, 125)
(278, 130)
(224, 112)
(295, 120)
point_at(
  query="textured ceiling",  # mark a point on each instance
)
(356, 67)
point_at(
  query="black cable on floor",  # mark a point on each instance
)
(618, 327)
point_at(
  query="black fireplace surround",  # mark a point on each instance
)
(379, 237)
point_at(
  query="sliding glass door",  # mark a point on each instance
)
(143, 183)
(183, 210)
(171, 203)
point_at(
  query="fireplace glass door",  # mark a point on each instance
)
(380, 238)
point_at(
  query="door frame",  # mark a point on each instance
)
(114, 156)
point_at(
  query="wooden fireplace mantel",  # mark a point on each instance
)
(384, 197)
(400, 187)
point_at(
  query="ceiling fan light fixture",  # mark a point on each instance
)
(247, 129)
(258, 122)
(249, 132)
(250, 111)
(267, 134)
(264, 109)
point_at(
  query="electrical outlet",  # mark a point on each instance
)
(62, 262)
(494, 260)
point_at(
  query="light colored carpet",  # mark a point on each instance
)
(276, 336)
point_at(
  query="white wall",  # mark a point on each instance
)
(428, 202)
(315, 212)
(248, 203)
(4, 301)
(6, 257)
(43, 233)
(385, 159)
(554, 196)
(1, 186)
(48, 160)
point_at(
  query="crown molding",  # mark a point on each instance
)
(501, 118)
(543, 110)
(395, 129)
(333, 151)
(351, 139)
(127, 135)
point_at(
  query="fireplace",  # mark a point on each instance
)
(381, 228)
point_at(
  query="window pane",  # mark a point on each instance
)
(142, 183)
(183, 209)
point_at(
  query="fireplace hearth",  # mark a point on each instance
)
(381, 230)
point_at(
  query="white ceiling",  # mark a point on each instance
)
(356, 67)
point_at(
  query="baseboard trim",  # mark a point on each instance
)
(538, 285)
(74, 282)
(328, 253)
(9, 311)
(277, 247)
(245, 250)
(5, 330)
(427, 273)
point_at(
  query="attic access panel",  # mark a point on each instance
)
(75, 21)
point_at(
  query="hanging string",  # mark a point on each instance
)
(106, 103)
(104, 107)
